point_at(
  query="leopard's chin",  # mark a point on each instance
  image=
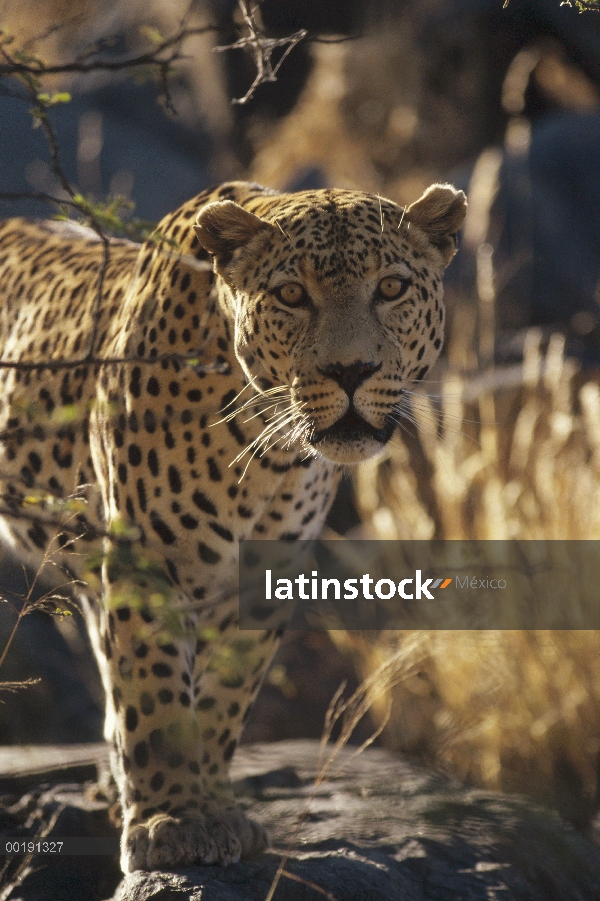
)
(352, 439)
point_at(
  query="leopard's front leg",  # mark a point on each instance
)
(174, 713)
(227, 677)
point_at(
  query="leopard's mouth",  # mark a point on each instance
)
(352, 428)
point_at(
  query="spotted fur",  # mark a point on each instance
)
(265, 341)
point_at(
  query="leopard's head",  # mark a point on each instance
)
(337, 302)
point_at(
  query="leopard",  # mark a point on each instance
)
(163, 401)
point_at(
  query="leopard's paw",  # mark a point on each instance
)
(217, 835)
(164, 842)
(253, 837)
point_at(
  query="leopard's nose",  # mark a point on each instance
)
(349, 377)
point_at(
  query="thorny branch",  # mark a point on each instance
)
(262, 49)
(82, 528)
(582, 5)
(83, 65)
(46, 602)
(39, 113)
(54, 365)
(159, 57)
(14, 196)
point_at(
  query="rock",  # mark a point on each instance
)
(377, 827)
(57, 811)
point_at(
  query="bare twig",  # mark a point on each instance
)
(51, 29)
(262, 49)
(39, 112)
(54, 365)
(18, 686)
(41, 603)
(82, 65)
(79, 530)
(13, 196)
(340, 39)
(309, 884)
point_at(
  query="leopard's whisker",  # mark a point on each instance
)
(262, 412)
(295, 410)
(293, 435)
(249, 404)
(429, 427)
(437, 419)
(256, 398)
(259, 444)
(277, 423)
(237, 396)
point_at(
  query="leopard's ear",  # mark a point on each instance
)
(224, 226)
(440, 212)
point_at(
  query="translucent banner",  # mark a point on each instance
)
(377, 585)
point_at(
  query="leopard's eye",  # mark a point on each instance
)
(391, 288)
(291, 294)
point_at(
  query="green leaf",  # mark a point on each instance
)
(153, 34)
(52, 99)
(67, 414)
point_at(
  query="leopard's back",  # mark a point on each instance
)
(51, 308)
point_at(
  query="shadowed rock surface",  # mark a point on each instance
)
(377, 827)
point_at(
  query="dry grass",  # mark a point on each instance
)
(518, 461)
(514, 710)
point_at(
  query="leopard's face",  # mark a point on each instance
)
(338, 309)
